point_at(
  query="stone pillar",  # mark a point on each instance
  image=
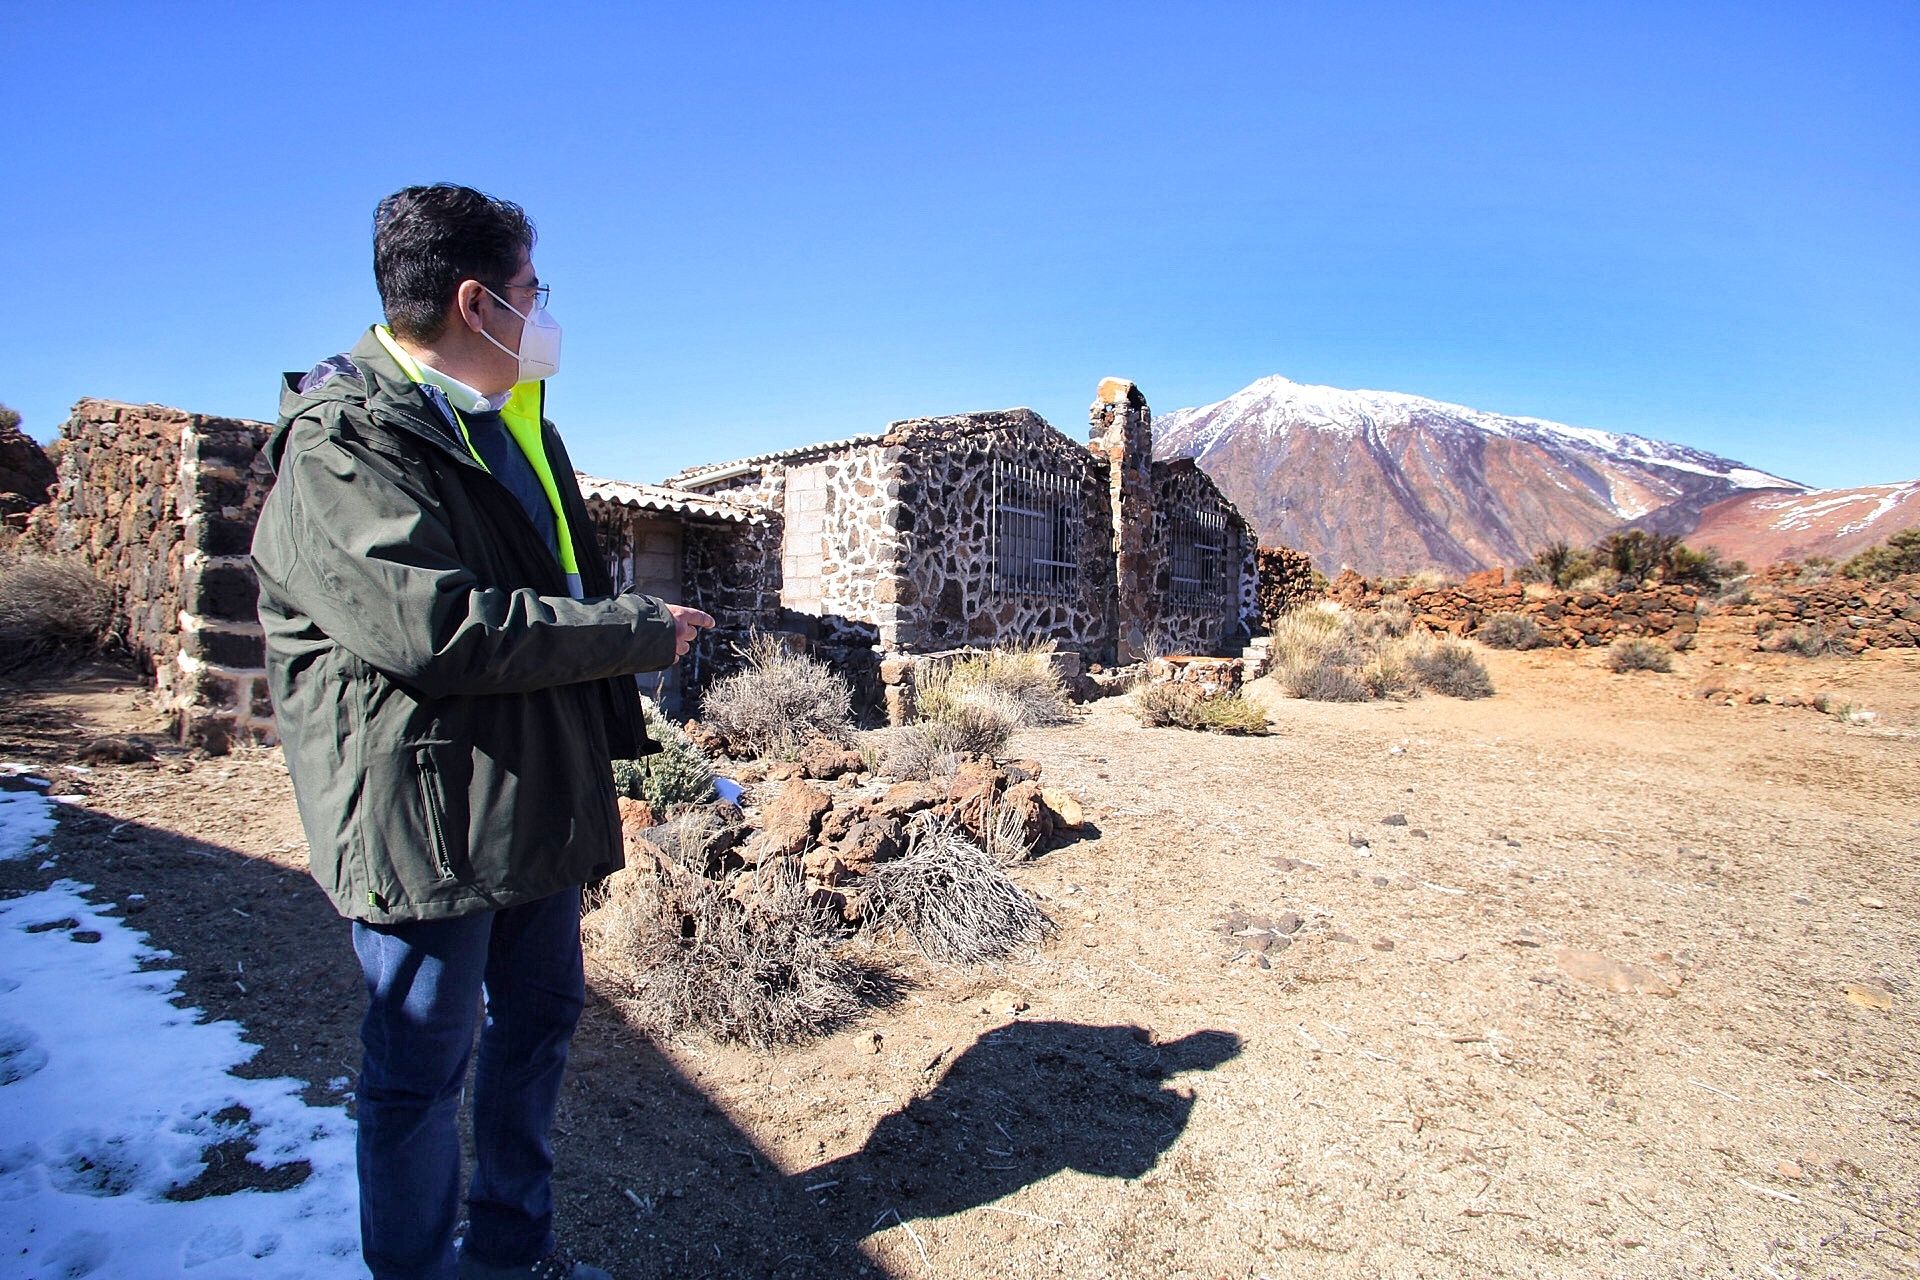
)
(1122, 433)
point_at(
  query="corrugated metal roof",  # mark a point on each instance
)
(658, 497)
(695, 475)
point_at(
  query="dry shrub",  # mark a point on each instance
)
(951, 897)
(1314, 635)
(1637, 653)
(1393, 617)
(1452, 668)
(779, 701)
(1388, 671)
(678, 774)
(1004, 835)
(1332, 655)
(1806, 641)
(1322, 680)
(677, 950)
(1018, 684)
(934, 748)
(51, 605)
(1509, 631)
(1230, 713)
(1166, 705)
(1185, 706)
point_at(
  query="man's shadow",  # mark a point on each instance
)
(1024, 1102)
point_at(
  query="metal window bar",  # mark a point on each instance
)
(1034, 531)
(1199, 558)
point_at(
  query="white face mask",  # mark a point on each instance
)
(539, 353)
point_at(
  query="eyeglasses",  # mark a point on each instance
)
(541, 292)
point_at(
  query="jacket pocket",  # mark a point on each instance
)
(434, 801)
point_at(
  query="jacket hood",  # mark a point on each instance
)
(365, 376)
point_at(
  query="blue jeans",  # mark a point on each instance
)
(424, 984)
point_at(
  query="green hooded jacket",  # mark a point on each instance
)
(448, 710)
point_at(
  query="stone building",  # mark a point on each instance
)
(995, 528)
(980, 529)
(161, 505)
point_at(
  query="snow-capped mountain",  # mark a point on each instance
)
(1763, 527)
(1392, 483)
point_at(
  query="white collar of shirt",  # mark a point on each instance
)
(460, 395)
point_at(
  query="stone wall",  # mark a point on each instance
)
(1226, 614)
(1570, 618)
(27, 477)
(162, 504)
(1286, 580)
(949, 592)
(1860, 615)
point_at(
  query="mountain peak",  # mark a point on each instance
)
(1440, 485)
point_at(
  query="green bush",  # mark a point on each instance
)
(1452, 668)
(677, 774)
(1898, 555)
(1637, 653)
(1509, 631)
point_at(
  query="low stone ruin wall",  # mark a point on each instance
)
(161, 504)
(1860, 615)
(1570, 618)
(1286, 580)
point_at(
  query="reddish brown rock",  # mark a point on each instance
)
(636, 817)
(790, 821)
(904, 798)
(823, 759)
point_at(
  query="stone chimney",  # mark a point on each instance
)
(1122, 433)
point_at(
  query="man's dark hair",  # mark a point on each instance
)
(426, 240)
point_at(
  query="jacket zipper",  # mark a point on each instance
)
(429, 777)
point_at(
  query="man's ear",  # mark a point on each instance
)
(471, 299)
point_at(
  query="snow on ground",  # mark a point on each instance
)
(110, 1095)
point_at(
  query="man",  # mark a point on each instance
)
(452, 674)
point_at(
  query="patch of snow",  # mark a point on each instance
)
(25, 820)
(108, 1097)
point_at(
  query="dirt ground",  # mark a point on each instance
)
(1409, 1080)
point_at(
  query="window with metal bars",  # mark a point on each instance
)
(1200, 566)
(1035, 531)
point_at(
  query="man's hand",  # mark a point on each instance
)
(686, 624)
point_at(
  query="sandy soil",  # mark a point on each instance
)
(1409, 1082)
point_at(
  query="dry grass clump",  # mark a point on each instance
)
(1184, 706)
(928, 749)
(779, 701)
(677, 774)
(51, 605)
(1393, 616)
(678, 950)
(1451, 668)
(1332, 655)
(1806, 641)
(951, 897)
(1637, 653)
(1509, 631)
(1019, 684)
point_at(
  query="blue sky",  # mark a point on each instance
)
(766, 225)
